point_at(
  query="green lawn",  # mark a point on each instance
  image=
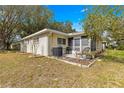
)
(22, 70)
(114, 56)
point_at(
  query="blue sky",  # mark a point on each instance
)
(73, 13)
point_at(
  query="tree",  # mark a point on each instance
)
(9, 23)
(105, 19)
(21, 21)
(68, 27)
(36, 18)
(62, 26)
(57, 25)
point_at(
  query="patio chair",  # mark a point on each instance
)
(86, 51)
(77, 52)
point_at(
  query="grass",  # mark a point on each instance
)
(22, 70)
(114, 56)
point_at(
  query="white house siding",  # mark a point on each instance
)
(31, 45)
(28, 45)
(23, 46)
(48, 40)
(53, 42)
(43, 45)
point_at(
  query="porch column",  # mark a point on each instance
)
(89, 43)
(73, 46)
(80, 45)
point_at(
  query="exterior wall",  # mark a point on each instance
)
(31, 45)
(53, 42)
(23, 46)
(47, 41)
(28, 46)
(43, 45)
(40, 48)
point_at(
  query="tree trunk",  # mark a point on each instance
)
(7, 46)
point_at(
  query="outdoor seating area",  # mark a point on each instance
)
(86, 53)
(84, 59)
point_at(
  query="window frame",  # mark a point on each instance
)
(61, 41)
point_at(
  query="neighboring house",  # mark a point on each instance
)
(15, 46)
(44, 42)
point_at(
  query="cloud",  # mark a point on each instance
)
(84, 10)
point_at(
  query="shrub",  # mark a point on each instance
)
(120, 47)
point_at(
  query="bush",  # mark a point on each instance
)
(120, 47)
(112, 46)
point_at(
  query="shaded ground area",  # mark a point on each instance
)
(22, 70)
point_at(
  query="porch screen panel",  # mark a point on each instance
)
(77, 44)
(85, 42)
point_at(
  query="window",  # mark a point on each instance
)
(61, 41)
(84, 42)
(77, 41)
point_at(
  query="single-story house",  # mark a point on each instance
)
(15, 46)
(45, 41)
